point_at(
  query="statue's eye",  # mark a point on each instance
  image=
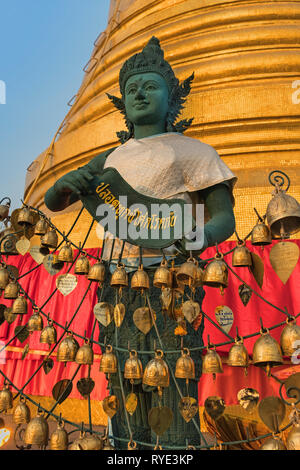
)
(131, 91)
(150, 87)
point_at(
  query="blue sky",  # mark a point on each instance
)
(44, 46)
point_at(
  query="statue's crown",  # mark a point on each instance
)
(151, 59)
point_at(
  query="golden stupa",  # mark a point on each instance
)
(246, 62)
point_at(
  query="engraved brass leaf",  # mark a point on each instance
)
(131, 403)
(62, 390)
(143, 320)
(85, 386)
(9, 316)
(272, 412)
(104, 312)
(48, 365)
(23, 246)
(190, 310)
(160, 419)
(284, 257)
(66, 283)
(245, 294)
(119, 314)
(36, 254)
(224, 316)
(188, 408)
(22, 333)
(48, 265)
(257, 269)
(111, 405)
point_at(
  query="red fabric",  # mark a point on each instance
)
(40, 284)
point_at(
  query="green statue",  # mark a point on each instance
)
(157, 160)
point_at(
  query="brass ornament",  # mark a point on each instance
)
(238, 354)
(119, 277)
(162, 276)
(266, 352)
(35, 322)
(160, 419)
(23, 246)
(41, 227)
(8, 242)
(9, 316)
(190, 310)
(133, 368)
(77, 444)
(241, 256)
(50, 239)
(140, 280)
(21, 414)
(156, 373)
(257, 269)
(131, 445)
(185, 367)
(104, 312)
(273, 443)
(283, 213)
(198, 280)
(37, 431)
(22, 333)
(4, 209)
(131, 403)
(4, 277)
(48, 334)
(214, 407)
(85, 386)
(59, 439)
(62, 390)
(6, 399)
(291, 384)
(108, 361)
(20, 306)
(66, 283)
(107, 445)
(97, 272)
(119, 314)
(245, 294)
(25, 217)
(284, 257)
(25, 351)
(212, 363)
(51, 267)
(82, 265)
(289, 336)
(11, 291)
(142, 319)
(91, 442)
(85, 354)
(224, 317)
(248, 399)
(186, 274)
(65, 254)
(67, 349)
(188, 408)
(166, 298)
(216, 273)
(261, 235)
(110, 405)
(293, 437)
(272, 411)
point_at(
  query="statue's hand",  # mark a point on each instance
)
(77, 181)
(186, 245)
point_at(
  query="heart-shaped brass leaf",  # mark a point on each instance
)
(284, 257)
(62, 390)
(272, 412)
(9, 316)
(224, 316)
(25, 351)
(22, 333)
(119, 314)
(110, 405)
(160, 419)
(48, 365)
(66, 283)
(190, 310)
(36, 254)
(2, 310)
(131, 403)
(245, 294)
(85, 386)
(166, 298)
(104, 313)
(188, 408)
(23, 246)
(143, 320)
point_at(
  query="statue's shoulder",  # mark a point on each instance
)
(96, 164)
(192, 147)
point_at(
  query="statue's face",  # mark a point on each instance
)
(146, 98)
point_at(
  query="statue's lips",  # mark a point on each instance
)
(141, 105)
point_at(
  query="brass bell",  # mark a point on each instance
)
(187, 272)
(48, 334)
(119, 277)
(59, 439)
(241, 256)
(293, 437)
(212, 363)
(77, 444)
(133, 368)
(108, 361)
(106, 443)
(289, 335)
(4, 209)
(20, 306)
(283, 213)
(25, 217)
(21, 414)
(67, 349)
(266, 352)
(97, 272)
(37, 431)
(65, 255)
(185, 367)
(41, 227)
(50, 239)
(4, 277)
(273, 443)
(140, 280)
(216, 273)
(261, 235)
(238, 354)
(35, 322)
(11, 291)
(85, 354)
(162, 276)
(6, 399)
(82, 265)
(156, 373)
(198, 281)
(91, 442)
(8, 242)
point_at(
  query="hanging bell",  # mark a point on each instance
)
(59, 439)
(283, 213)
(133, 368)
(91, 442)
(48, 335)
(156, 373)
(4, 277)
(37, 431)
(289, 335)
(8, 242)
(25, 217)
(77, 444)
(241, 256)
(185, 367)
(6, 399)
(106, 444)
(187, 272)
(20, 306)
(50, 239)
(21, 414)
(119, 277)
(261, 235)
(82, 265)
(140, 280)
(266, 352)
(273, 443)
(293, 437)
(216, 273)
(4, 209)
(65, 255)
(198, 280)
(108, 361)
(85, 354)
(97, 272)
(35, 322)
(212, 363)
(238, 354)
(11, 291)
(67, 349)
(41, 227)
(162, 276)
